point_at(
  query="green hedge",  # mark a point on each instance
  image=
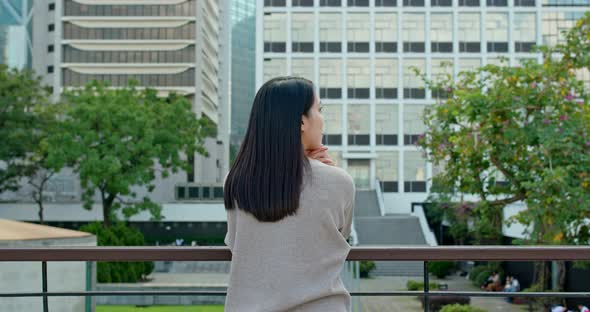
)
(416, 285)
(119, 235)
(479, 274)
(460, 308)
(441, 269)
(365, 268)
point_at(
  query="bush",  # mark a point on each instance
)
(365, 268)
(119, 235)
(441, 269)
(416, 285)
(482, 277)
(479, 274)
(460, 308)
(437, 302)
(476, 270)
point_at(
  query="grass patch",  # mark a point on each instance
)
(130, 308)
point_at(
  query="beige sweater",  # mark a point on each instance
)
(294, 264)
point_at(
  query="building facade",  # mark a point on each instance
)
(360, 54)
(16, 40)
(243, 19)
(180, 46)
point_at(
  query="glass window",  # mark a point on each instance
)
(413, 84)
(275, 3)
(331, 3)
(524, 32)
(469, 64)
(302, 3)
(386, 124)
(414, 172)
(441, 3)
(274, 68)
(497, 32)
(330, 32)
(358, 32)
(566, 3)
(415, 3)
(332, 114)
(413, 123)
(330, 79)
(470, 3)
(386, 83)
(303, 68)
(441, 33)
(386, 166)
(358, 78)
(358, 3)
(385, 3)
(386, 32)
(497, 3)
(442, 70)
(554, 23)
(302, 32)
(275, 30)
(358, 124)
(524, 3)
(413, 32)
(469, 37)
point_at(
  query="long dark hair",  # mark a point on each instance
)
(267, 176)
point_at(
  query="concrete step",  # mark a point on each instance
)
(389, 230)
(366, 204)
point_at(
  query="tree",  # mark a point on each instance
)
(527, 124)
(119, 138)
(20, 93)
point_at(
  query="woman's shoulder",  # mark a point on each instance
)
(331, 174)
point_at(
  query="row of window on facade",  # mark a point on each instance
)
(413, 3)
(186, 8)
(500, 31)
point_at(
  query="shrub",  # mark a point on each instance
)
(437, 302)
(460, 308)
(441, 269)
(365, 268)
(119, 235)
(476, 270)
(480, 274)
(416, 285)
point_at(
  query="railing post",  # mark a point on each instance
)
(426, 288)
(44, 282)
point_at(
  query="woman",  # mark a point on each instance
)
(289, 211)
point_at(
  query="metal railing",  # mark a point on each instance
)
(425, 254)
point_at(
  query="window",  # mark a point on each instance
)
(386, 124)
(302, 3)
(524, 3)
(565, 3)
(469, 39)
(302, 32)
(469, 3)
(332, 114)
(51, 27)
(413, 84)
(330, 32)
(386, 166)
(468, 64)
(51, 7)
(358, 124)
(497, 32)
(442, 70)
(413, 32)
(358, 29)
(330, 79)
(275, 32)
(441, 3)
(331, 3)
(414, 172)
(386, 78)
(497, 3)
(50, 48)
(386, 32)
(273, 68)
(441, 33)
(385, 3)
(49, 69)
(275, 3)
(554, 23)
(358, 3)
(413, 123)
(524, 32)
(303, 68)
(414, 3)
(358, 78)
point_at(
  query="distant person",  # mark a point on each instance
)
(558, 308)
(289, 210)
(583, 308)
(512, 285)
(493, 282)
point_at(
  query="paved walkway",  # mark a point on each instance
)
(411, 304)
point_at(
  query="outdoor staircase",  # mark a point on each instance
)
(395, 229)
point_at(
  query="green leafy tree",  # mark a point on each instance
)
(20, 93)
(119, 138)
(528, 124)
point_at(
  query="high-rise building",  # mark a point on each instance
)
(16, 46)
(180, 46)
(360, 54)
(243, 19)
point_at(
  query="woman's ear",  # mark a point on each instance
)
(303, 123)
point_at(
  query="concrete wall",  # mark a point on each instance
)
(61, 276)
